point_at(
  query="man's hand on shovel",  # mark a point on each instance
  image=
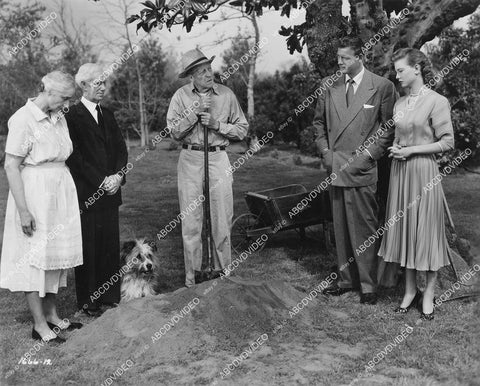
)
(207, 120)
(205, 117)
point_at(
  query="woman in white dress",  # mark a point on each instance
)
(42, 236)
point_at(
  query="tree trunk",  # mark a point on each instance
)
(324, 26)
(425, 20)
(141, 96)
(251, 74)
(141, 101)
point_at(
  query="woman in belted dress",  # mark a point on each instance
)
(423, 127)
(42, 236)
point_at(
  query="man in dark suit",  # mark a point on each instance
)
(351, 120)
(98, 165)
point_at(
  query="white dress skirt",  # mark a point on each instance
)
(39, 263)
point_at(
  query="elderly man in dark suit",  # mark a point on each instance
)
(98, 165)
(354, 127)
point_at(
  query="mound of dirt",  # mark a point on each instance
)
(207, 326)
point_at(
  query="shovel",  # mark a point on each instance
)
(207, 273)
(458, 264)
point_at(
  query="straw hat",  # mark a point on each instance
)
(192, 59)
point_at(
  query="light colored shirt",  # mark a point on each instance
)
(91, 107)
(38, 137)
(357, 79)
(183, 122)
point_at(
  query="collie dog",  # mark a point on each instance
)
(140, 269)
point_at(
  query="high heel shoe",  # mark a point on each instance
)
(413, 303)
(72, 326)
(37, 336)
(428, 317)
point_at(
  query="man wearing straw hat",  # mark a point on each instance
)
(204, 103)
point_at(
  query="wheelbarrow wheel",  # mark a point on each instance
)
(240, 239)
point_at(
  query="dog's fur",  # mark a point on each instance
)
(140, 274)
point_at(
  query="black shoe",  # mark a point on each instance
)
(216, 274)
(370, 298)
(199, 277)
(414, 303)
(336, 291)
(36, 336)
(72, 326)
(94, 313)
(110, 305)
(428, 317)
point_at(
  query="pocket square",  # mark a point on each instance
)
(368, 106)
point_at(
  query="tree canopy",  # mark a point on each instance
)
(325, 24)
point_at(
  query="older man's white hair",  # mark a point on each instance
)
(58, 81)
(88, 72)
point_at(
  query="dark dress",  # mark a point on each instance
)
(97, 152)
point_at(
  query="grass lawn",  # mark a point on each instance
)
(445, 351)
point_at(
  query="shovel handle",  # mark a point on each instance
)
(449, 215)
(208, 220)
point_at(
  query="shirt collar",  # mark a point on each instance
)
(37, 113)
(91, 106)
(357, 78)
(214, 88)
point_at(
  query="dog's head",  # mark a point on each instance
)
(137, 257)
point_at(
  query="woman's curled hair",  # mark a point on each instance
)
(414, 57)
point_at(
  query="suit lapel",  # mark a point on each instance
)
(339, 97)
(107, 123)
(90, 121)
(364, 92)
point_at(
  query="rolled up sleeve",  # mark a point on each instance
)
(237, 126)
(181, 119)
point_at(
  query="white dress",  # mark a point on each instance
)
(38, 263)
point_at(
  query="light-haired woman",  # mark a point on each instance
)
(423, 127)
(42, 236)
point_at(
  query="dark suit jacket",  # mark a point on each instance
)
(341, 132)
(95, 155)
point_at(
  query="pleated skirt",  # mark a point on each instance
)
(414, 230)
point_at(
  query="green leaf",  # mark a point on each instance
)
(285, 31)
(149, 4)
(286, 10)
(188, 23)
(132, 18)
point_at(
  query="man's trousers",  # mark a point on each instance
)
(101, 259)
(190, 192)
(355, 212)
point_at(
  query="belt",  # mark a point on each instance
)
(48, 165)
(200, 148)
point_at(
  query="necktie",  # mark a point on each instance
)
(350, 93)
(101, 123)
